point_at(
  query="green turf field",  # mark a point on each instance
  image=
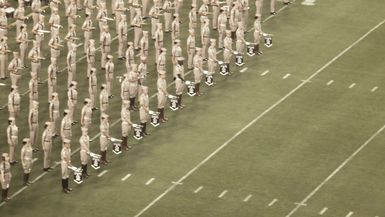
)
(299, 132)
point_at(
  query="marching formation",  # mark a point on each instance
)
(229, 18)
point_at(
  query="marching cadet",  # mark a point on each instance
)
(55, 43)
(162, 95)
(179, 81)
(65, 163)
(215, 7)
(102, 15)
(161, 61)
(212, 54)
(46, 141)
(87, 27)
(12, 137)
(175, 28)
(71, 11)
(79, 5)
(125, 115)
(19, 16)
(158, 40)
(192, 16)
(234, 18)
(137, 24)
(103, 99)
(145, 4)
(72, 95)
(125, 88)
(54, 20)
(86, 114)
(71, 36)
(22, 39)
(5, 177)
(54, 113)
(190, 48)
(52, 77)
(167, 13)
(257, 35)
(122, 35)
(36, 10)
(14, 102)
(92, 88)
(66, 126)
(33, 123)
(240, 43)
(130, 55)
(175, 53)
(258, 8)
(272, 7)
(222, 25)
(54, 4)
(198, 70)
(142, 70)
(3, 57)
(26, 160)
(178, 5)
(90, 54)
(244, 12)
(144, 109)
(38, 31)
(133, 85)
(105, 43)
(109, 75)
(89, 6)
(84, 151)
(35, 56)
(3, 23)
(14, 68)
(204, 11)
(71, 64)
(104, 138)
(144, 44)
(154, 13)
(33, 89)
(205, 37)
(119, 11)
(228, 50)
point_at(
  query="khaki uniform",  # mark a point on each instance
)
(192, 15)
(161, 62)
(130, 57)
(89, 6)
(198, 64)
(203, 12)
(205, 39)
(109, 76)
(72, 95)
(54, 114)
(36, 10)
(84, 149)
(133, 83)
(222, 25)
(137, 24)
(154, 14)
(14, 68)
(122, 36)
(258, 8)
(103, 100)
(46, 141)
(33, 120)
(22, 39)
(175, 29)
(3, 24)
(34, 55)
(14, 104)
(52, 79)
(144, 46)
(211, 64)
(26, 158)
(105, 43)
(227, 53)
(158, 42)
(190, 51)
(54, 21)
(272, 6)
(142, 70)
(87, 27)
(86, 116)
(3, 59)
(235, 16)
(91, 52)
(167, 7)
(118, 10)
(33, 91)
(104, 135)
(215, 7)
(55, 44)
(175, 53)
(19, 16)
(39, 36)
(5, 175)
(12, 137)
(143, 110)
(65, 162)
(66, 128)
(162, 92)
(125, 89)
(92, 88)
(102, 13)
(125, 115)
(240, 44)
(71, 66)
(71, 11)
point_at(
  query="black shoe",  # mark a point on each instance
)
(69, 189)
(66, 191)
(94, 109)
(273, 13)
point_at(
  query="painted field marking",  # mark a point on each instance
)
(247, 198)
(222, 194)
(323, 211)
(102, 173)
(350, 214)
(150, 181)
(265, 73)
(288, 75)
(272, 202)
(34, 160)
(309, 2)
(374, 89)
(126, 177)
(330, 82)
(254, 121)
(243, 70)
(198, 189)
(352, 85)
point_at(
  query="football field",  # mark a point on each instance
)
(296, 132)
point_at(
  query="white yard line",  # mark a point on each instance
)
(350, 214)
(352, 85)
(265, 73)
(150, 181)
(34, 160)
(287, 75)
(19, 191)
(272, 202)
(330, 82)
(126, 177)
(323, 211)
(243, 70)
(102, 173)
(247, 198)
(198, 189)
(374, 89)
(255, 120)
(222, 194)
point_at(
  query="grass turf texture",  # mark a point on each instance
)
(284, 155)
